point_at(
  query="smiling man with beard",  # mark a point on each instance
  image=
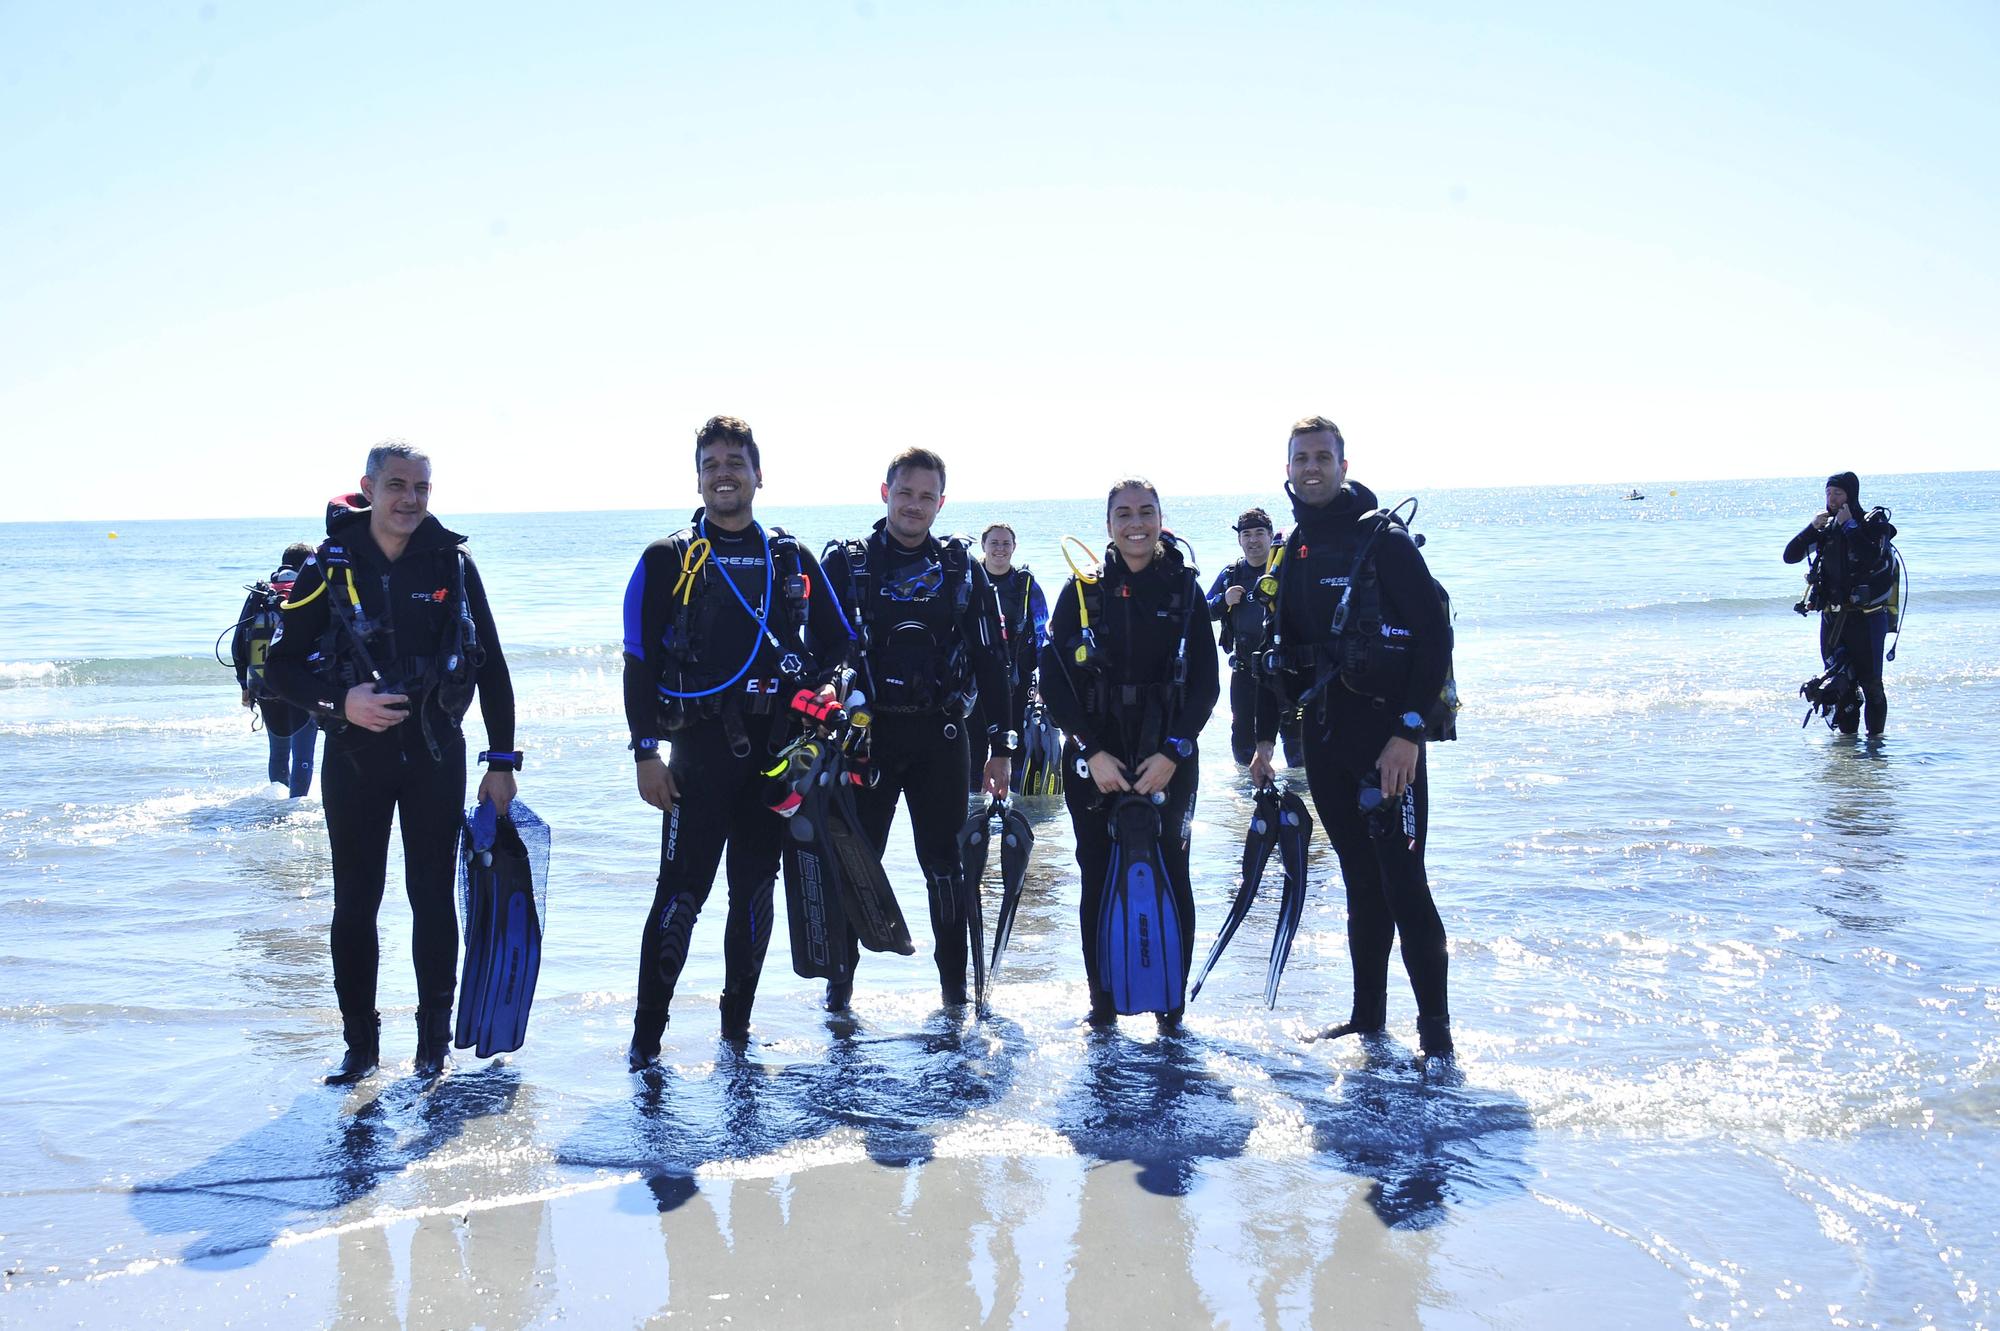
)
(724, 623)
(1370, 698)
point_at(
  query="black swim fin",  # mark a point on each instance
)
(975, 839)
(828, 818)
(504, 952)
(1295, 829)
(1139, 925)
(1258, 844)
(1017, 847)
(822, 940)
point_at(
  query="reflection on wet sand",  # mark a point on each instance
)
(304, 1168)
(1863, 836)
(492, 1268)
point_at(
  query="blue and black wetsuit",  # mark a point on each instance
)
(931, 635)
(719, 743)
(1246, 682)
(1388, 892)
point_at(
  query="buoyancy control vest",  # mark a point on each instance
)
(912, 629)
(1096, 656)
(1245, 632)
(434, 661)
(1855, 568)
(259, 626)
(697, 674)
(1363, 650)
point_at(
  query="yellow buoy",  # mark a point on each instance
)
(111, 535)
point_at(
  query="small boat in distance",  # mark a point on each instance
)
(1635, 495)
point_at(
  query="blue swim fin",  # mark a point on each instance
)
(507, 859)
(1139, 926)
(1258, 844)
(475, 911)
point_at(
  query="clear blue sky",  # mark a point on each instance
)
(1061, 242)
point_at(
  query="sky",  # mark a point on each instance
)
(1059, 243)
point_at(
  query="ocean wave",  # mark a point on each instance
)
(205, 672)
(114, 670)
(1923, 601)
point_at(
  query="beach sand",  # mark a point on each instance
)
(948, 1242)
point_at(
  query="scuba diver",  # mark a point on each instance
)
(1130, 674)
(725, 622)
(929, 645)
(385, 638)
(1242, 610)
(1363, 639)
(1024, 614)
(1853, 578)
(292, 733)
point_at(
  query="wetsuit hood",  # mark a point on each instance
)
(1850, 484)
(1353, 500)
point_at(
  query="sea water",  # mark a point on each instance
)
(1723, 985)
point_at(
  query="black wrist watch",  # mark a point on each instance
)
(1180, 749)
(644, 750)
(1410, 725)
(501, 760)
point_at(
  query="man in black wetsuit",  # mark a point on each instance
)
(1853, 584)
(724, 623)
(385, 638)
(1367, 702)
(929, 636)
(1025, 615)
(1242, 616)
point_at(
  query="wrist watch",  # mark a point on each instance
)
(501, 760)
(1180, 749)
(644, 749)
(1411, 726)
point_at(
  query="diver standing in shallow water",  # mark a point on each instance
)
(1241, 605)
(1025, 616)
(290, 731)
(929, 642)
(1130, 674)
(724, 624)
(1369, 700)
(1852, 582)
(385, 638)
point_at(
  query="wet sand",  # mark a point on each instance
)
(948, 1242)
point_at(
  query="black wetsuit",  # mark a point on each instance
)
(931, 632)
(413, 771)
(1026, 616)
(1246, 682)
(1856, 576)
(721, 744)
(1129, 708)
(1345, 731)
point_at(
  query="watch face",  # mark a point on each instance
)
(1411, 721)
